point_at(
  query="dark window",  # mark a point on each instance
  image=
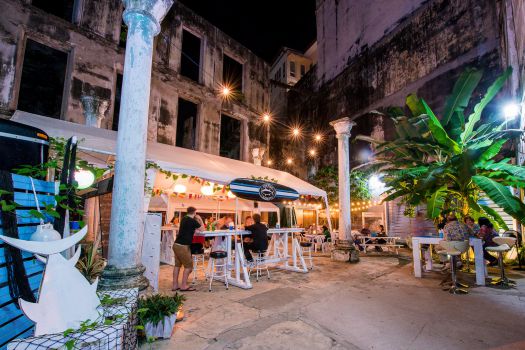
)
(42, 82)
(292, 68)
(232, 74)
(59, 8)
(303, 70)
(123, 34)
(186, 124)
(230, 137)
(284, 69)
(165, 133)
(116, 105)
(190, 60)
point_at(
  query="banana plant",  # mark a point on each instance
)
(450, 163)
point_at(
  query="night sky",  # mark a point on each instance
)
(262, 26)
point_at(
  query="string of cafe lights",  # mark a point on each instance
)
(296, 132)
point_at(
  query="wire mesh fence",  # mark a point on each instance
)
(115, 329)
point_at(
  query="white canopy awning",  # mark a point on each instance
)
(207, 166)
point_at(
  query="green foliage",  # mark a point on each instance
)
(91, 264)
(449, 164)
(327, 179)
(154, 308)
(55, 163)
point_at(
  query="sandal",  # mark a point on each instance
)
(189, 289)
(174, 290)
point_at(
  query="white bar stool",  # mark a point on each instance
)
(306, 248)
(504, 245)
(260, 264)
(218, 267)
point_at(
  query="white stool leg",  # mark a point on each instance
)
(211, 264)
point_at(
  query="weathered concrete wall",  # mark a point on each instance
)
(345, 28)
(95, 59)
(425, 53)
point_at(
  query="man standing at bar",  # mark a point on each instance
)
(181, 249)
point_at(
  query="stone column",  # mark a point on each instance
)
(124, 268)
(94, 109)
(342, 128)
(257, 154)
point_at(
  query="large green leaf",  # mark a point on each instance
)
(435, 203)
(501, 196)
(491, 152)
(460, 97)
(492, 91)
(414, 104)
(514, 170)
(439, 132)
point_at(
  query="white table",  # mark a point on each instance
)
(475, 243)
(278, 250)
(241, 277)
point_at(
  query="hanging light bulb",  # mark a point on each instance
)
(179, 188)
(207, 190)
(84, 178)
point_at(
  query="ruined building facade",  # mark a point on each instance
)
(372, 57)
(53, 53)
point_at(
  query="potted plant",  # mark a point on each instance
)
(159, 313)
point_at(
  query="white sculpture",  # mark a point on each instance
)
(66, 298)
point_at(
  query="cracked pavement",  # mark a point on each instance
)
(375, 304)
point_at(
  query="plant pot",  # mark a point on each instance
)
(163, 329)
(180, 314)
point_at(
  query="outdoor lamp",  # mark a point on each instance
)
(207, 190)
(230, 194)
(511, 110)
(266, 117)
(84, 178)
(375, 183)
(179, 188)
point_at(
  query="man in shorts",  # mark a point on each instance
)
(188, 225)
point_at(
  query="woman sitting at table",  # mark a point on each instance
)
(487, 234)
(471, 225)
(258, 236)
(381, 233)
(455, 230)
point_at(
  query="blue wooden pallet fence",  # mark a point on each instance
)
(13, 323)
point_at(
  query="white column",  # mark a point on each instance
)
(342, 128)
(124, 268)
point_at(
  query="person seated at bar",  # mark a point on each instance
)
(326, 233)
(487, 233)
(181, 248)
(381, 233)
(455, 230)
(258, 236)
(248, 222)
(471, 225)
(175, 221)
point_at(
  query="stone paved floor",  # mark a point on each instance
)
(375, 304)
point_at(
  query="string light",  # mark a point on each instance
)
(289, 161)
(313, 152)
(269, 162)
(225, 91)
(318, 137)
(296, 132)
(266, 117)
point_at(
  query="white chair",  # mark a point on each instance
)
(504, 245)
(453, 249)
(306, 250)
(218, 267)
